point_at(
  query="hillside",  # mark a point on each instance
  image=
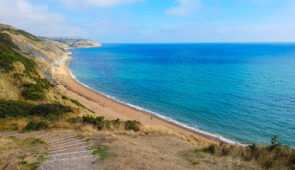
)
(42, 127)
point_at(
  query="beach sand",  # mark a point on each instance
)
(112, 109)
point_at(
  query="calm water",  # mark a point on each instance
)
(243, 92)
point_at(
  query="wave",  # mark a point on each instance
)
(194, 128)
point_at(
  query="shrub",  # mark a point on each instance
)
(15, 108)
(77, 103)
(32, 126)
(132, 125)
(100, 123)
(24, 109)
(36, 91)
(274, 143)
(65, 98)
(33, 92)
(50, 110)
(210, 149)
(253, 147)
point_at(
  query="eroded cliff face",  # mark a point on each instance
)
(48, 53)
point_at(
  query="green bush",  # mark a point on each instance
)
(15, 108)
(33, 92)
(36, 91)
(24, 109)
(33, 126)
(101, 123)
(65, 98)
(77, 103)
(50, 110)
(132, 125)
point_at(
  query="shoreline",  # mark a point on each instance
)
(101, 103)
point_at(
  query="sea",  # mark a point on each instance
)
(242, 93)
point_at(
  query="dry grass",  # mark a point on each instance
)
(13, 124)
(21, 153)
(274, 156)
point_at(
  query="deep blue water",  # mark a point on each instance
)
(243, 92)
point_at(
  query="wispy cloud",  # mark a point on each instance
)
(94, 3)
(37, 19)
(185, 7)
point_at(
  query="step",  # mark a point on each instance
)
(69, 146)
(64, 142)
(70, 152)
(69, 155)
(83, 162)
(86, 147)
(58, 139)
(74, 159)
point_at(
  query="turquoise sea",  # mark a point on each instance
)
(240, 92)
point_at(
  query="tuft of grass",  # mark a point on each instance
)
(102, 151)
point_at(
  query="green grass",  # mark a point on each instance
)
(8, 56)
(36, 92)
(102, 151)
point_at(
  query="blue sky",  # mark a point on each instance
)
(155, 21)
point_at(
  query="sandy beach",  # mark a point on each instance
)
(112, 109)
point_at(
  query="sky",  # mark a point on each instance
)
(155, 21)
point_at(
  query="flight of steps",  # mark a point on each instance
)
(65, 152)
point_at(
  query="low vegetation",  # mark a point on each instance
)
(8, 56)
(10, 108)
(76, 102)
(274, 156)
(101, 123)
(102, 151)
(21, 153)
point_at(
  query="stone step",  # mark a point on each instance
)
(86, 147)
(69, 152)
(79, 163)
(69, 155)
(69, 146)
(74, 159)
(59, 139)
(64, 142)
